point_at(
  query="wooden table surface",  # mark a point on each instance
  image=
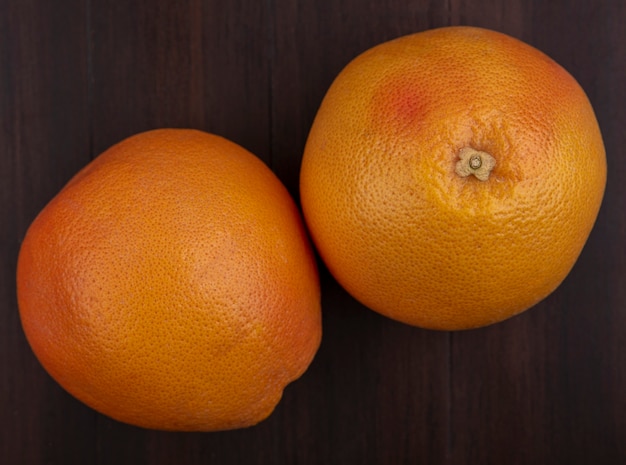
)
(546, 387)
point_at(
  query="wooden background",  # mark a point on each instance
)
(547, 387)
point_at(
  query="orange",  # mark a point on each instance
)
(170, 284)
(451, 177)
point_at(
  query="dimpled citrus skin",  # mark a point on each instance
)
(399, 228)
(170, 284)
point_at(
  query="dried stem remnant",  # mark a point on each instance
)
(472, 161)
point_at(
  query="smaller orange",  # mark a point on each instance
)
(171, 285)
(451, 177)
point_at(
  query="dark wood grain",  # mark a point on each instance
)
(546, 387)
(44, 140)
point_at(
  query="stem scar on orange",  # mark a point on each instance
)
(452, 177)
(171, 285)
